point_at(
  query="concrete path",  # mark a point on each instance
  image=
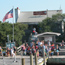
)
(11, 60)
(60, 56)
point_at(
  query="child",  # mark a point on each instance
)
(57, 50)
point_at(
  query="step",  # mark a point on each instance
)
(60, 53)
(60, 49)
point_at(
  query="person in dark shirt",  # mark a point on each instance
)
(14, 48)
(62, 43)
(0, 50)
(8, 52)
(36, 46)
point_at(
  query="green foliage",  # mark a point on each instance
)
(45, 25)
(52, 25)
(49, 24)
(7, 29)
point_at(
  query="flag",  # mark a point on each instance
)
(8, 15)
(40, 13)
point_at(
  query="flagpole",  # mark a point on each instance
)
(47, 13)
(13, 24)
(47, 19)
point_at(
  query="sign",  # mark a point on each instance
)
(40, 13)
(47, 38)
(10, 45)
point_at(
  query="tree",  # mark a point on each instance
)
(7, 29)
(52, 25)
(45, 25)
(19, 32)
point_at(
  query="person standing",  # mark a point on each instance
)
(49, 44)
(23, 48)
(0, 50)
(57, 50)
(62, 43)
(14, 50)
(31, 44)
(8, 52)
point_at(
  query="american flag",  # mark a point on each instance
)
(8, 15)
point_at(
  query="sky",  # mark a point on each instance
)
(30, 5)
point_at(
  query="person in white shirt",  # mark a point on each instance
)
(41, 43)
(49, 44)
(12, 52)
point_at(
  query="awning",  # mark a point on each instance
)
(50, 33)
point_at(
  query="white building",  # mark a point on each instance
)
(33, 17)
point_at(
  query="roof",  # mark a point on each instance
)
(29, 17)
(50, 33)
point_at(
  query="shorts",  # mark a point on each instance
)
(57, 50)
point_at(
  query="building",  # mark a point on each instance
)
(33, 17)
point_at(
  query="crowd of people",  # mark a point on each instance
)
(9, 52)
(35, 48)
(39, 46)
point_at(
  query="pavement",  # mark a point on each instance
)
(17, 61)
(10, 61)
(55, 56)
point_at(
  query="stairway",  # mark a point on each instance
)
(19, 50)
